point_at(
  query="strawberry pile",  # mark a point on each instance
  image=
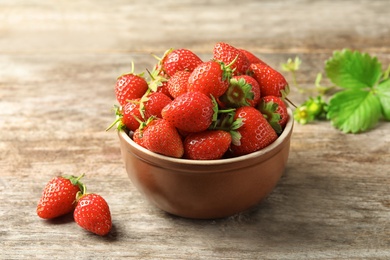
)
(66, 194)
(228, 106)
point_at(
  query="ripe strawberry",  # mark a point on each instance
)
(256, 132)
(271, 82)
(178, 60)
(93, 214)
(190, 112)
(227, 54)
(59, 196)
(243, 91)
(207, 145)
(153, 103)
(177, 84)
(251, 57)
(210, 78)
(130, 86)
(131, 115)
(161, 137)
(274, 110)
(137, 137)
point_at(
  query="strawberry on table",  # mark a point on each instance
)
(271, 82)
(229, 54)
(207, 145)
(93, 214)
(256, 133)
(59, 196)
(190, 112)
(210, 78)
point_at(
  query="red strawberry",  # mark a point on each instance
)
(130, 86)
(164, 89)
(271, 82)
(227, 53)
(161, 137)
(210, 78)
(190, 112)
(251, 57)
(256, 133)
(243, 91)
(177, 84)
(154, 103)
(59, 196)
(274, 110)
(180, 59)
(93, 214)
(137, 137)
(131, 115)
(207, 145)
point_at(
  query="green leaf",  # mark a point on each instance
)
(354, 110)
(349, 69)
(383, 92)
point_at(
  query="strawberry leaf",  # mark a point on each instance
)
(349, 69)
(354, 110)
(383, 92)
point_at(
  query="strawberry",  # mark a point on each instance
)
(131, 115)
(178, 60)
(177, 84)
(271, 82)
(137, 137)
(190, 112)
(256, 133)
(130, 86)
(153, 103)
(93, 214)
(251, 57)
(207, 145)
(210, 78)
(243, 91)
(274, 110)
(161, 137)
(59, 196)
(229, 54)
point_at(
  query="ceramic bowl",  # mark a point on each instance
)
(206, 189)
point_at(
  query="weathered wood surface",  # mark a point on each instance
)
(58, 64)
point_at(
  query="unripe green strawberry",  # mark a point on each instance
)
(207, 145)
(59, 196)
(93, 214)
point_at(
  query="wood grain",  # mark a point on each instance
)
(58, 65)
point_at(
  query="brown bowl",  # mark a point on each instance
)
(206, 189)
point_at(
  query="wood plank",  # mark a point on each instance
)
(58, 65)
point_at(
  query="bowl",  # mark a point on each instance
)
(206, 189)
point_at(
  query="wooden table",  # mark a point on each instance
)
(58, 64)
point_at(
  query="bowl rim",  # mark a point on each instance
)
(270, 149)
